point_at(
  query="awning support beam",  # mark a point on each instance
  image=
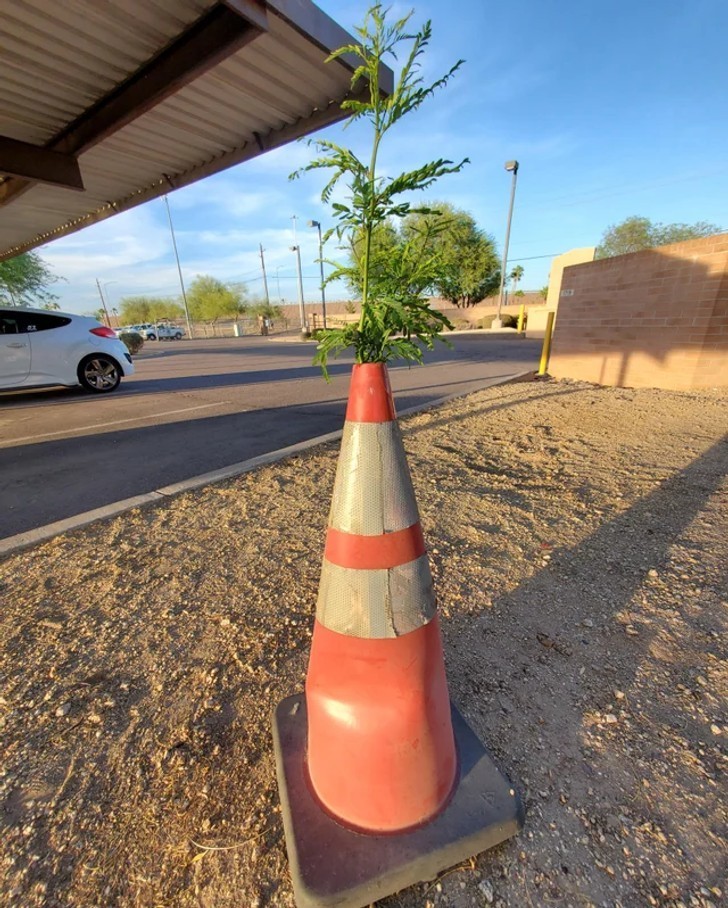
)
(213, 38)
(33, 162)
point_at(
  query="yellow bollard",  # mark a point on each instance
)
(546, 351)
(521, 317)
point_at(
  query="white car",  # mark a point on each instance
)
(159, 332)
(40, 348)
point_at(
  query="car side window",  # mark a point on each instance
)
(12, 323)
(43, 322)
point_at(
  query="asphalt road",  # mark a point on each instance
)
(197, 406)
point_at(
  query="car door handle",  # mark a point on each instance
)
(16, 346)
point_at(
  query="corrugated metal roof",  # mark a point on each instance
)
(59, 58)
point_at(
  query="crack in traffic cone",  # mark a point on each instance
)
(382, 782)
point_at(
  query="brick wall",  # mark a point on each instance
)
(657, 318)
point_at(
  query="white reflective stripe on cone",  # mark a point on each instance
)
(373, 491)
(376, 603)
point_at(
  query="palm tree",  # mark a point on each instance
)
(515, 276)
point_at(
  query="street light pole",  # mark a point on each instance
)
(512, 167)
(321, 263)
(103, 303)
(302, 311)
(190, 332)
(265, 276)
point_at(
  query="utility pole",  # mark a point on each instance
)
(265, 277)
(103, 303)
(321, 263)
(190, 332)
(302, 311)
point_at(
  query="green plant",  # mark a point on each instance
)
(396, 319)
(133, 341)
(24, 281)
(350, 308)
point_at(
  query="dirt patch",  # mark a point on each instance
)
(579, 547)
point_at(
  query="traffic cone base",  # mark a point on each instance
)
(332, 865)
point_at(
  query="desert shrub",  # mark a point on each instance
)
(510, 321)
(486, 321)
(133, 341)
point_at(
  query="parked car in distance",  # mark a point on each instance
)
(40, 348)
(156, 332)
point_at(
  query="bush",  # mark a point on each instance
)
(486, 321)
(509, 321)
(133, 340)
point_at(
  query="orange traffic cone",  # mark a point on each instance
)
(376, 747)
(381, 752)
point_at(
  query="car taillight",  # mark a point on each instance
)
(103, 331)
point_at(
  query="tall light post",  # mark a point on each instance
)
(190, 332)
(512, 167)
(297, 250)
(106, 292)
(103, 303)
(321, 263)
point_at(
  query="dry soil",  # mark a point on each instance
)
(579, 546)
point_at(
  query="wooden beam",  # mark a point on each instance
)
(32, 162)
(206, 43)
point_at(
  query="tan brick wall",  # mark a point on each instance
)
(657, 318)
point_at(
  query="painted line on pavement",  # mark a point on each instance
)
(106, 425)
(43, 534)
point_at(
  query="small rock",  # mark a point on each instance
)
(715, 729)
(652, 572)
(702, 681)
(63, 710)
(486, 889)
(587, 622)
(610, 719)
(619, 695)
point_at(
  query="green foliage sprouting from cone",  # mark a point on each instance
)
(396, 319)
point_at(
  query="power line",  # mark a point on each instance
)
(529, 258)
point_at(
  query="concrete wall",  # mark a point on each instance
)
(657, 318)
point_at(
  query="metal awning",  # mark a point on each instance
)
(104, 106)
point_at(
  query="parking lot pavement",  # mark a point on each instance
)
(197, 406)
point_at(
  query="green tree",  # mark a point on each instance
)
(467, 267)
(396, 320)
(25, 281)
(135, 310)
(636, 233)
(265, 310)
(209, 299)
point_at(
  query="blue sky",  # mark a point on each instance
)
(612, 109)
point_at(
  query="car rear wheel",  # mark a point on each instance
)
(151, 337)
(99, 374)
(178, 336)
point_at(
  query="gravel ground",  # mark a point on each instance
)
(579, 548)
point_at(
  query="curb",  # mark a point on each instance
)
(42, 534)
